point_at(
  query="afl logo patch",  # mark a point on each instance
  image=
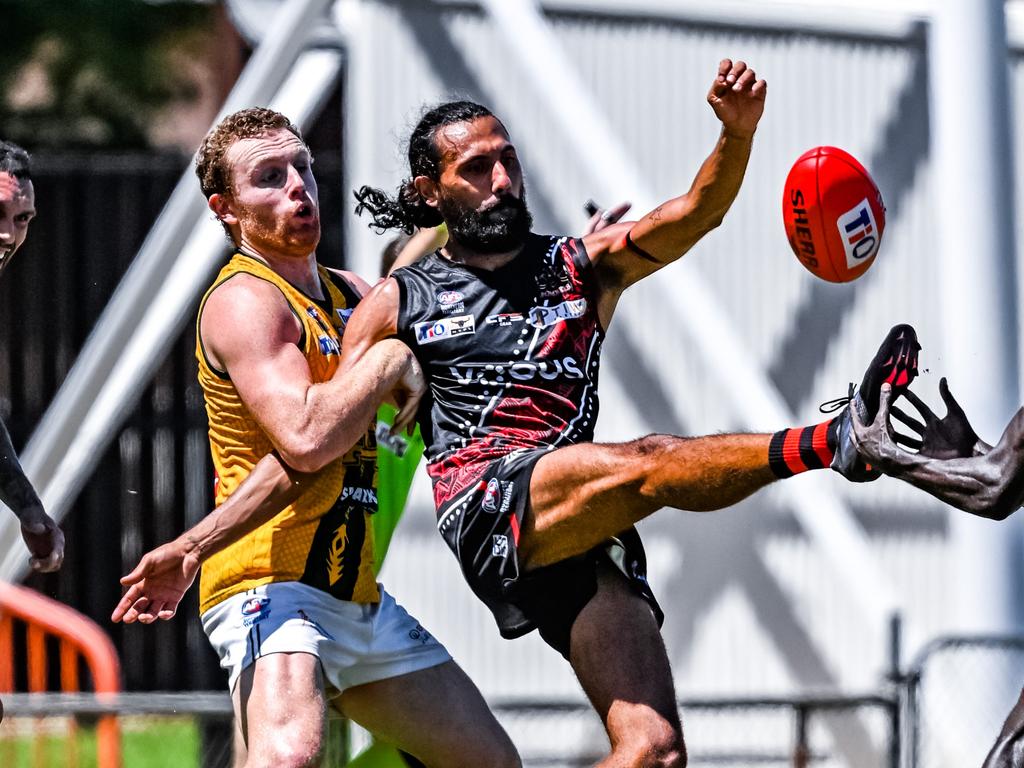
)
(255, 609)
(447, 298)
(492, 496)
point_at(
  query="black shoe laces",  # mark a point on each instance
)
(831, 406)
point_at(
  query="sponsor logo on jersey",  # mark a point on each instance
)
(542, 317)
(328, 345)
(499, 545)
(255, 610)
(522, 370)
(358, 495)
(859, 232)
(446, 327)
(505, 319)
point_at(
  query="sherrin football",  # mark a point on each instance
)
(833, 213)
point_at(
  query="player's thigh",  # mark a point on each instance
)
(619, 657)
(581, 495)
(436, 714)
(281, 709)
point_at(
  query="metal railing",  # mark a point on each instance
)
(77, 638)
(723, 732)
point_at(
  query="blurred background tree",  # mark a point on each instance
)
(109, 74)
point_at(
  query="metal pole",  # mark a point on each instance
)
(971, 126)
(970, 103)
(801, 752)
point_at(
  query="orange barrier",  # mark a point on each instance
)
(78, 636)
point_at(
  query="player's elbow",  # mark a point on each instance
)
(996, 501)
(304, 455)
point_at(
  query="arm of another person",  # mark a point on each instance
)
(158, 583)
(423, 241)
(249, 331)
(982, 480)
(43, 537)
(628, 252)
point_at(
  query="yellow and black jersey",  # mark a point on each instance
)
(325, 537)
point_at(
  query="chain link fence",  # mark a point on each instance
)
(959, 692)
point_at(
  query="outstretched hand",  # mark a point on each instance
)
(951, 437)
(737, 97)
(157, 584)
(876, 442)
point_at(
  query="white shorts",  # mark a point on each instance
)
(355, 643)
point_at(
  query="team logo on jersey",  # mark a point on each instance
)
(859, 230)
(446, 327)
(542, 317)
(255, 610)
(551, 282)
(451, 301)
(499, 545)
(505, 319)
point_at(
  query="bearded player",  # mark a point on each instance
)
(508, 326)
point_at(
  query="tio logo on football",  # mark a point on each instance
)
(859, 233)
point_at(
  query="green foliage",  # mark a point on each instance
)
(93, 73)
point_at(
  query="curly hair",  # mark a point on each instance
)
(15, 161)
(254, 122)
(407, 210)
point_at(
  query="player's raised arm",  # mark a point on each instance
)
(630, 251)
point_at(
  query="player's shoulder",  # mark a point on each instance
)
(242, 303)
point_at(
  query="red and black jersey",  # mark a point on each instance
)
(511, 355)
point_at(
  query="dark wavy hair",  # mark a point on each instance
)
(15, 161)
(407, 210)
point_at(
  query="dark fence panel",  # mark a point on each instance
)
(155, 478)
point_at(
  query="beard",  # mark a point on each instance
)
(502, 228)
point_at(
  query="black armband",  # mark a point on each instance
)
(638, 250)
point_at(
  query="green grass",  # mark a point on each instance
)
(146, 743)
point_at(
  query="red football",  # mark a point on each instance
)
(833, 213)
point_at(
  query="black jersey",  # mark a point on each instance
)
(511, 355)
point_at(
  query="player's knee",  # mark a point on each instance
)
(656, 745)
(288, 750)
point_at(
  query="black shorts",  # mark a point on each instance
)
(481, 526)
